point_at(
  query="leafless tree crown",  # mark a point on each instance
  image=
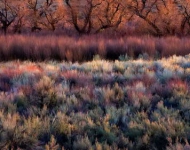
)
(156, 17)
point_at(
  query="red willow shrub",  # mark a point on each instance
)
(84, 48)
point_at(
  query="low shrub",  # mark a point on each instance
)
(100, 104)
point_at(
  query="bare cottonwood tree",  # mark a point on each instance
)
(184, 9)
(163, 16)
(34, 14)
(111, 13)
(167, 20)
(7, 14)
(52, 13)
(80, 14)
(89, 16)
(20, 20)
(146, 10)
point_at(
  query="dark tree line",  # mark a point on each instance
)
(155, 17)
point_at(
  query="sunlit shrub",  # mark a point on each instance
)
(119, 67)
(14, 135)
(180, 88)
(178, 145)
(52, 145)
(44, 93)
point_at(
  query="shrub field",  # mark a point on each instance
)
(96, 105)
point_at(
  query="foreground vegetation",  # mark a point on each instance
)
(127, 104)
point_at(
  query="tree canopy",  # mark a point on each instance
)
(155, 17)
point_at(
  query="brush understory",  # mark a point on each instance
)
(98, 105)
(84, 48)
